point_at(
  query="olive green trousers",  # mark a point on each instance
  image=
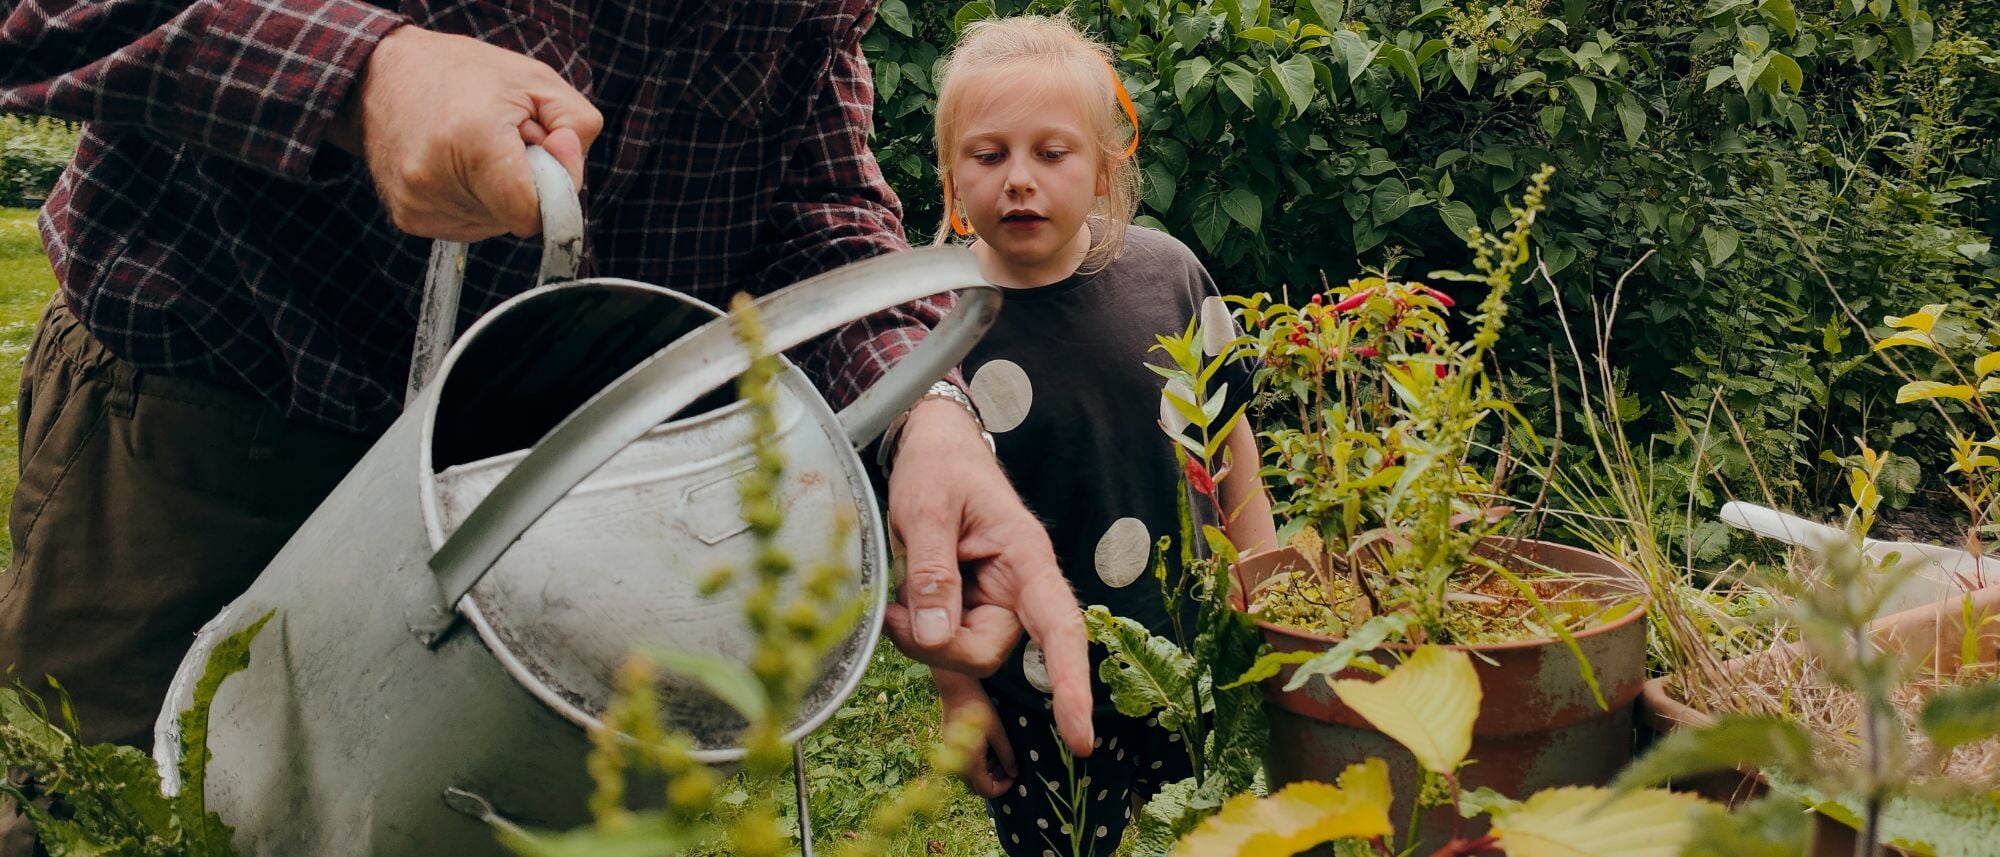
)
(146, 504)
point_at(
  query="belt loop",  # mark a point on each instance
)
(125, 380)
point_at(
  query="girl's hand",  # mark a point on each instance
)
(991, 771)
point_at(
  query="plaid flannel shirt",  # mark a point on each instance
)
(206, 229)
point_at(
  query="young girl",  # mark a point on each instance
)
(1036, 157)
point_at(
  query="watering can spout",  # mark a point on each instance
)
(1939, 568)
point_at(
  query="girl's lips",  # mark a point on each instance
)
(1023, 222)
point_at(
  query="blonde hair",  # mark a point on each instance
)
(1052, 45)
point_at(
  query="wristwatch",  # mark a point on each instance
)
(885, 452)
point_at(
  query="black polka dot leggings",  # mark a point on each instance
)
(1080, 809)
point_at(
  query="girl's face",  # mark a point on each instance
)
(1026, 172)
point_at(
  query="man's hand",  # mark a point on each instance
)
(953, 508)
(443, 122)
(989, 770)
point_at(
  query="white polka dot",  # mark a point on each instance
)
(1102, 831)
(1066, 828)
(1103, 793)
(1114, 743)
(1024, 721)
(1169, 415)
(1173, 737)
(1007, 810)
(1121, 755)
(1034, 756)
(1047, 853)
(1099, 742)
(1156, 766)
(1085, 782)
(1042, 823)
(1122, 552)
(1003, 394)
(1023, 790)
(1217, 328)
(1016, 837)
(1036, 668)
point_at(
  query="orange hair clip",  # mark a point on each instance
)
(1132, 113)
(958, 226)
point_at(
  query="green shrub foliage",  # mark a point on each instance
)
(1738, 147)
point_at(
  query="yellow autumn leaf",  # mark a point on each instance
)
(1297, 817)
(1591, 822)
(1905, 337)
(1987, 364)
(1921, 320)
(1427, 704)
(1990, 385)
(1916, 390)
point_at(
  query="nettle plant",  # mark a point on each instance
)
(1194, 682)
(1396, 457)
(1428, 704)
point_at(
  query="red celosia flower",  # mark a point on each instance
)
(1367, 351)
(1354, 300)
(1440, 297)
(1198, 478)
(1443, 370)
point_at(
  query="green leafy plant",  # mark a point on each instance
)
(1428, 704)
(105, 800)
(33, 152)
(696, 811)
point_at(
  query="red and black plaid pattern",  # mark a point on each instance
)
(205, 229)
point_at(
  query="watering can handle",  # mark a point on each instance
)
(562, 255)
(702, 361)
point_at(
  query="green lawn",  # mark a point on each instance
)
(874, 744)
(25, 285)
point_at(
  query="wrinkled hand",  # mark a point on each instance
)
(989, 769)
(441, 121)
(953, 509)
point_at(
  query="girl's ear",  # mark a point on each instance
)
(1103, 187)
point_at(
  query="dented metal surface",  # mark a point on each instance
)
(1539, 723)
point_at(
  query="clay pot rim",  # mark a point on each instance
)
(1642, 590)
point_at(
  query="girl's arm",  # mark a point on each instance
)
(1245, 506)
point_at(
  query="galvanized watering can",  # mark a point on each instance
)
(449, 621)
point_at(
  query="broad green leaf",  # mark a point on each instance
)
(1731, 743)
(1210, 222)
(1396, 58)
(1784, 69)
(1987, 364)
(1552, 119)
(1961, 715)
(729, 681)
(1171, 814)
(1297, 817)
(896, 14)
(1464, 64)
(1920, 390)
(1160, 187)
(1595, 822)
(1631, 117)
(1359, 641)
(1922, 320)
(1771, 826)
(1189, 75)
(1974, 250)
(977, 10)
(1295, 77)
(1780, 12)
(1145, 673)
(1586, 95)
(1718, 75)
(1473, 803)
(1244, 207)
(1390, 200)
(1427, 704)
(1721, 241)
(1905, 337)
(1240, 83)
(1259, 34)
(1458, 217)
(1355, 53)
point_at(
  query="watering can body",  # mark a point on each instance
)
(449, 622)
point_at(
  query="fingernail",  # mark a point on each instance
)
(933, 627)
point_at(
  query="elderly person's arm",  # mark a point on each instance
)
(270, 83)
(976, 559)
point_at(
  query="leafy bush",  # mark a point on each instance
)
(1727, 147)
(33, 152)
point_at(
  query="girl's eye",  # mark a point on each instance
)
(986, 157)
(1053, 154)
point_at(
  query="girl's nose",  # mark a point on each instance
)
(1020, 179)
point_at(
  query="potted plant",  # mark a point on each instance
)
(1397, 467)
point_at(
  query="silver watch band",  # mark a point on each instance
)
(885, 452)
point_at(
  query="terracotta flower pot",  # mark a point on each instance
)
(1539, 724)
(1933, 630)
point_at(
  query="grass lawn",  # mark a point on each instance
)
(874, 744)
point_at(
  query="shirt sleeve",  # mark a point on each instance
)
(256, 81)
(834, 208)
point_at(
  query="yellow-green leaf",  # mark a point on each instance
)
(1905, 337)
(1986, 364)
(1427, 704)
(1917, 390)
(1921, 320)
(1591, 822)
(1990, 385)
(1297, 817)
